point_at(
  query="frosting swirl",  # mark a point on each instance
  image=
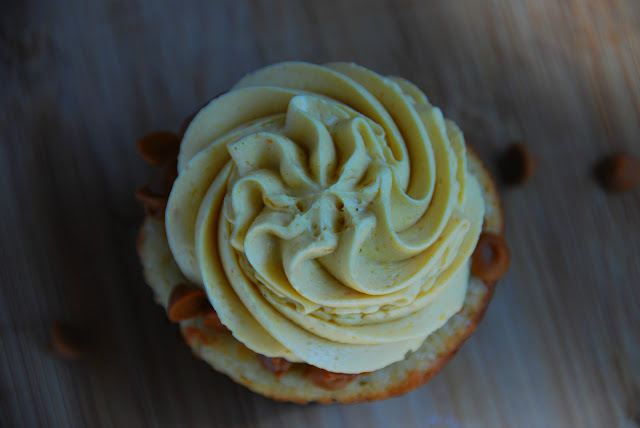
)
(328, 212)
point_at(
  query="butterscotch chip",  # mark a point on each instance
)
(277, 366)
(186, 302)
(619, 173)
(155, 195)
(162, 182)
(491, 258)
(212, 320)
(329, 380)
(65, 342)
(516, 165)
(159, 147)
(153, 212)
(154, 204)
(168, 176)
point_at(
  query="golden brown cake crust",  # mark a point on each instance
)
(229, 356)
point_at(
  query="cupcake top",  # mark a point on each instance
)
(328, 213)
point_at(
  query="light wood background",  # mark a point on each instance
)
(81, 80)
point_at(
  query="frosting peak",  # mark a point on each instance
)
(328, 213)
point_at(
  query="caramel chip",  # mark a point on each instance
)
(277, 366)
(155, 195)
(619, 173)
(329, 380)
(186, 302)
(212, 320)
(516, 164)
(159, 147)
(154, 204)
(66, 342)
(162, 182)
(491, 258)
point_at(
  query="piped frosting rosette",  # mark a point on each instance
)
(328, 212)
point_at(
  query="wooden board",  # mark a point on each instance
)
(80, 81)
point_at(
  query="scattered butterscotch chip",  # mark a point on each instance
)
(169, 175)
(159, 147)
(155, 195)
(619, 172)
(186, 302)
(153, 212)
(491, 258)
(162, 182)
(277, 366)
(516, 164)
(66, 342)
(154, 204)
(329, 380)
(212, 320)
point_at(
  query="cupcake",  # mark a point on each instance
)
(328, 237)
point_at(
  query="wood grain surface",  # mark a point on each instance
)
(80, 81)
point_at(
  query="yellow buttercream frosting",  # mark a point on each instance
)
(328, 212)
